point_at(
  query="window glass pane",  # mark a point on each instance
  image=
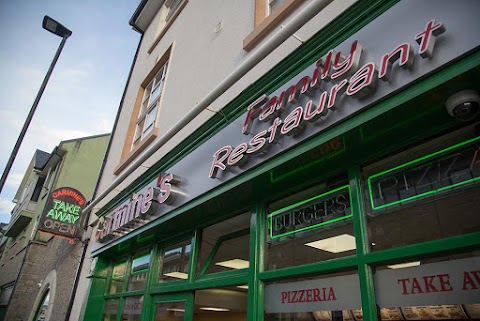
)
(219, 304)
(110, 310)
(232, 254)
(116, 281)
(170, 311)
(439, 288)
(149, 121)
(333, 297)
(274, 4)
(138, 272)
(175, 262)
(426, 193)
(225, 245)
(310, 226)
(132, 308)
(43, 307)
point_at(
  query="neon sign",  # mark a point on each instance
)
(327, 208)
(445, 169)
(62, 212)
(333, 80)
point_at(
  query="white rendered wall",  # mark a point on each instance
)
(207, 40)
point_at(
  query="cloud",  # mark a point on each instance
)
(6, 205)
(14, 180)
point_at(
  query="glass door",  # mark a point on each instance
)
(177, 307)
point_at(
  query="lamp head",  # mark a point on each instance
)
(55, 27)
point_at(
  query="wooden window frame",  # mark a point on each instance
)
(170, 21)
(265, 24)
(129, 152)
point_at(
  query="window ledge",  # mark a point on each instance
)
(167, 26)
(269, 23)
(137, 150)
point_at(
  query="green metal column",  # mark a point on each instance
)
(365, 272)
(255, 285)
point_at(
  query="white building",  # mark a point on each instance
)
(259, 146)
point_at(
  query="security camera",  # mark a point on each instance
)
(464, 105)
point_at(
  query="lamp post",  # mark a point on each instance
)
(61, 31)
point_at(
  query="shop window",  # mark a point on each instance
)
(218, 304)
(139, 272)
(143, 127)
(328, 298)
(439, 288)
(116, 281)
(425, 193)
(132, 308)
(169, 311)
(268, 15)
(167, 14)
(311, 226)
(110, 310)
(175, 262)
(225, 245)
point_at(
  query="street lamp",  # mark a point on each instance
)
(61, 31)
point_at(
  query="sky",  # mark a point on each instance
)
(86, 86)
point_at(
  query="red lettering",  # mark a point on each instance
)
(428, 284)
(350, 64)
(258, 143)
(331, 295)
(404, 285)
(316, 295)
(426, 39)
(252, 113)
(292, 122)
(302, 296)
(337, 89)
(284, 297)
(404, 52)
(309, 295)
(237, 157)
(416, 286)
(469, 282)
(218, 158)
(445, 282)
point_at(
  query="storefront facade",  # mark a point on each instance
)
(341, 185)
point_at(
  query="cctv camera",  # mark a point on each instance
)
(464, 105)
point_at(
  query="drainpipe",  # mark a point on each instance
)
(251, 61)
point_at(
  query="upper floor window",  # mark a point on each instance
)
(168, 10)
(168, 13)
(273, 5)
(143, 125)
(148, 112)
(268, 15)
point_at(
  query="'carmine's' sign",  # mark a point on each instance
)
(126, 216)
(63, 212)
(336, 78)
